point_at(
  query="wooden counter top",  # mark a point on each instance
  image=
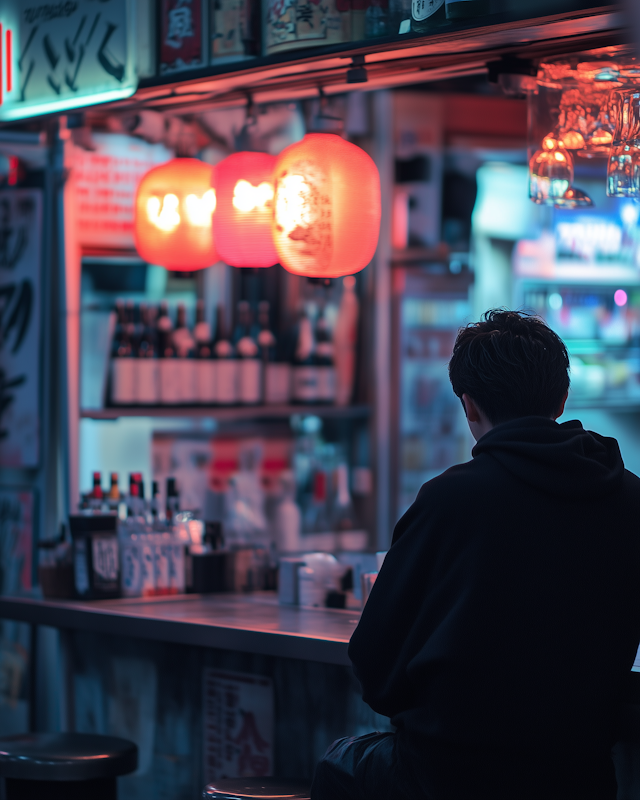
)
(253, 623)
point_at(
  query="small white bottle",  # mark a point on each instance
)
(288, 518)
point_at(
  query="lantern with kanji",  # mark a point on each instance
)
(174, 206)
(242, 222)
(327, 207)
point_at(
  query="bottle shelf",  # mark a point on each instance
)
(230, 414)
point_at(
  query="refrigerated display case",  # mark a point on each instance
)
(582, 276)
(430, 304)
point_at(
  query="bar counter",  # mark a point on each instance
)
(250, 623)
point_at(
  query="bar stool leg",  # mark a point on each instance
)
(100, 789)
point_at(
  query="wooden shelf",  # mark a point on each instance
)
(458, 49)
(223, 414)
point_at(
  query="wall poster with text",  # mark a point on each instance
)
(238, 725)
(20, 256)
(181, 32)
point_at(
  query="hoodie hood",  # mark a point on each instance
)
(556, 459)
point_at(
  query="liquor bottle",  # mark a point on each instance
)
(123, 367)
(249, 366)
(325, 364)
(304, 373)
(168, 375)
(97, 495)
(344, 339)
(343, 516)
(147, 364)
(134, 509)
(427, 15)
(317, 518)
(376, 21)
(276, 372)
(204, 364)
(114, 492)
(465, 9)
(184, 344)
(226, 363)
(173, 501)
(288, 518)
(155, 502)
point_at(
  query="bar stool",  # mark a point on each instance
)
(64, 766)
(254, 789)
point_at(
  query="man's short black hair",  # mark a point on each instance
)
(512, 365)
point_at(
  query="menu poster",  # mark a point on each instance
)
(238, 725)
(20, 243)
(181, 32)
(17, 508)
(106, 181)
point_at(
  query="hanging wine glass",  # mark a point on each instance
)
(550, 171)
(623, 171)
(584, 121)
(574, 198)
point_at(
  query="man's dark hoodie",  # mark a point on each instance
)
(506, 617)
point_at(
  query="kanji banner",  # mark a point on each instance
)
(64, 54)
(20, 254)
(238, 725)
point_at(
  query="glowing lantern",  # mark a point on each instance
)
(242, 222)
(327, 207)
(174, 207)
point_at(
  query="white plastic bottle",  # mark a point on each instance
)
(288, 518)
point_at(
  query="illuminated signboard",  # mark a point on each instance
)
(64, 54)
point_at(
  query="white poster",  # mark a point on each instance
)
(238, 725)
(65, 54)
(20, 253)
(106, 182)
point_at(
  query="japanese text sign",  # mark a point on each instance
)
(238, 725)
(20, 241)
(64, 54)
(181, 35)
(106, 182)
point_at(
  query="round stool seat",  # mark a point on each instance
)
(255, 788)
(66, 757)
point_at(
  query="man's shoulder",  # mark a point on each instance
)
(472, 474)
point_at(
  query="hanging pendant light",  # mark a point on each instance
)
(242, 222)
(173, 215)
(326, 218)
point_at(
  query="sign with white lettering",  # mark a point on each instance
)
(20, 242)
(238, 725)
(64, 54)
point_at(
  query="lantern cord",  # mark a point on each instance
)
(245, 138)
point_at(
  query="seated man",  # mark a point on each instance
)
(506, 616)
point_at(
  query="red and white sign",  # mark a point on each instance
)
(106, 182)
(238, 725)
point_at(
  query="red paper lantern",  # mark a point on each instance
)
(174, 206)
(242, 222)
(327, 207)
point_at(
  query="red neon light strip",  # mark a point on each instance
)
(0, 63)
(9, 48)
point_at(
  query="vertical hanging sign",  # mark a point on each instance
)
(20, 238)
(181, 35)
(61, 55)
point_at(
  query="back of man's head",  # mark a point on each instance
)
(512, 365)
